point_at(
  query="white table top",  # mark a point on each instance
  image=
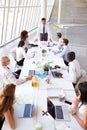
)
(26, 94)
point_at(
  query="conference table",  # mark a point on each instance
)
(26, 94)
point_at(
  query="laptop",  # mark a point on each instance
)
(58, 112)
(31, 72)
(26, 110)
(56, 74)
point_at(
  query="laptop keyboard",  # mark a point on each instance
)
(27, 110)
(59, 112)
(66, 113)
(54, 73)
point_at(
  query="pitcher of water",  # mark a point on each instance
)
(35, 82)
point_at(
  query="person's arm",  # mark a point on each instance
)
(30, 54)
(63, 52)
(12, 78)
(83, 123)
(72, 73)
(10, 119)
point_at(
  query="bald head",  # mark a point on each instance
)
(4, 61)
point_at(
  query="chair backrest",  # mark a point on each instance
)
(82, 79)
(83, 73)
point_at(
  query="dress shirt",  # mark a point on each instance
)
(74, 71)
(40, 30)
(63, 52)
(8, 76)
(19, 53)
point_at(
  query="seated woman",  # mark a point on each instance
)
(20, 53)
(6, 106)
(79, 107)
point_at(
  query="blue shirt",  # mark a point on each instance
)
(63, 52)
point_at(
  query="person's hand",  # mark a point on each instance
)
(76, 102)
(72, 110)
(36, 40)
(57, 66)
(29, 78)
(58, 74)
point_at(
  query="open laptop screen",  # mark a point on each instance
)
(50, 108)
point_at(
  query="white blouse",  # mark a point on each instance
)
(19, 53)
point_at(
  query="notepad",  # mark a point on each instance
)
(41, 76)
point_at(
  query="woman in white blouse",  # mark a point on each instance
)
(19, 53)
(79, 107)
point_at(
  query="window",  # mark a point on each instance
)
(16, 15)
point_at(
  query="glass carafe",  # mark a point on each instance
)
(35, 82)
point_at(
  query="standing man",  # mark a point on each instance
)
(43, 31)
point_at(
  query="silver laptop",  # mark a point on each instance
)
(62, 113)
(58, 112)
(26, 111)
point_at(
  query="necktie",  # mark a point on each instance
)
(8, 68)
(43, 29)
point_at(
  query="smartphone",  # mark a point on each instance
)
(68, 102)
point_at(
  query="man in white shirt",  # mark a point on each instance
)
(64, 50)
(43, 31)
(7, 75)
(73, 68)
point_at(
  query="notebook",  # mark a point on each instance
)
(26, 110)
(58, 112)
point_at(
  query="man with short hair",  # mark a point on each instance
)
(64, 50)
(7, 75)
(43, 31)
(74, 68)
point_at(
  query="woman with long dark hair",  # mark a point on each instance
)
(6, 105)
(79, 107)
